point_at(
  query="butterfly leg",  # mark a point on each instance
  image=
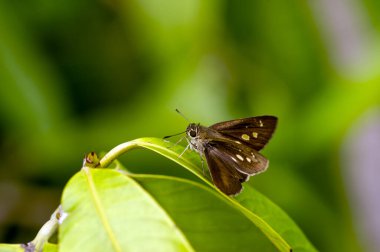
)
(176, 143)
(184, 150)
(187, 147)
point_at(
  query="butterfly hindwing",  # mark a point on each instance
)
(230, 166)
(245, 160)
(223, 175)
(254, 131)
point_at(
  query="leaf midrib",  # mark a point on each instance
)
(100, 209)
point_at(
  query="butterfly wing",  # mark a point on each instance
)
(223, 175)
(254, 131)
(245, 160)
(230, 166)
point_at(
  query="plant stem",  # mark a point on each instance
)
(46, 231)
(117, 151)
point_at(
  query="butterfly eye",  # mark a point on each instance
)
(192, 133)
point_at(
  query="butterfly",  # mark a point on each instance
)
(231, 149)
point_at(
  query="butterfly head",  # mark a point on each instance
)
(195, 136)
(192, 130)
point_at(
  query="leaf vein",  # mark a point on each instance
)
(100, 210)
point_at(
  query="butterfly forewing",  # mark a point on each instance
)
(254, 131)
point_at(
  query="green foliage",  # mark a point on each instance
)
(115, 210)
(120, 213)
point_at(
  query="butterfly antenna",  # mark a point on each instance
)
(165, 137)
(179, 112)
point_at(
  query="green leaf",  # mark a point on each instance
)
(48, 247)
(275, 217)
(11, 248)
(109, 210)
(268, 217)
(209, 222)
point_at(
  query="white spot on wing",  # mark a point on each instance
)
(239, 157)
(233, 159)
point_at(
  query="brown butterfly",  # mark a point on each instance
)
(232, 149)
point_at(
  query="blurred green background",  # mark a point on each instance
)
(80, 76)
